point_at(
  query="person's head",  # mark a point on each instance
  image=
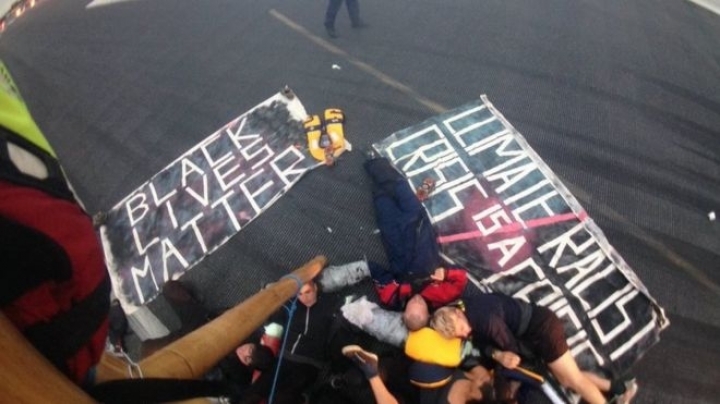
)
(244, 352)
(450, 322)
(255, 356)
(308, 294)
(416, 314)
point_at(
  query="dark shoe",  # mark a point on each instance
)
(359, 25)
(331, 32)
(371, 153)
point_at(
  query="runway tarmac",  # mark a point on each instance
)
(619, 98)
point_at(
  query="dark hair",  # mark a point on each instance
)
(262, 358)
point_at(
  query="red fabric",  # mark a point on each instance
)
(437, 294)
(70, 227)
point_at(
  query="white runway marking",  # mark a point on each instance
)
(100, 3)
(712, 5)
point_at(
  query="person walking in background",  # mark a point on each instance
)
(331, 13)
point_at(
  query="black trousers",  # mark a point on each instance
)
(334, 6)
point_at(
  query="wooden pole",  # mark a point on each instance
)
(196, 353)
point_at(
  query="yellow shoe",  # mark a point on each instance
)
(313, 129)
(334, 120)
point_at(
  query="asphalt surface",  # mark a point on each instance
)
(619, 98)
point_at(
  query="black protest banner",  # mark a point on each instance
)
(500, 212)
(195, 204)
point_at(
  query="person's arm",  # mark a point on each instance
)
(504, 347)
(447, 287)
(380, 392)
(457, 279)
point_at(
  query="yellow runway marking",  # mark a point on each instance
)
(433, 106)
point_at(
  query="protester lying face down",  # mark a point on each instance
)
(451, 322)
(504, 327)
(416, 314)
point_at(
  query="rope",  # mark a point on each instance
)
(291, 311)
(132, 366)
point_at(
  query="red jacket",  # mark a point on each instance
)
(436, 294)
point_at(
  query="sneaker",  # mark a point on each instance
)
(631, 388)
(366, 361)
(359, 25)
(331, 32)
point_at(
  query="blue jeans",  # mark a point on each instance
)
(406, 232)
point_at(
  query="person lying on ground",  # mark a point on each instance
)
(314, 327)
(459, 388)
(437, 373)
(505, 327)
(415, 265)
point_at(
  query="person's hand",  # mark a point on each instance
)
(506, 358)
(438, 275)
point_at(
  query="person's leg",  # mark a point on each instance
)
(566, 370)
(546, 337)
(406, 198)
(383, 175)
(330, 15)
(623, 390)
(353, 8)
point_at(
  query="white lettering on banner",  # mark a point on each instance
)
(264, 151)
(462, 187)
(204, 201)
(419, 159)
(161, 200)
(491, 219)
(508, 248)
(221, 175)
(138, 243)
(208, 157)
(516, 165)
(649, 327)
(168, 252)
(228, 209)
(607, 336)
(136, 202)
(511, 176)
(583, 266)
(189, 167)
(196, 231)
(565, 240)
(250, 195)
(288, 173)
(482, 129)
(234, 136)
(580, 343)
(541, 202)
(139, 274)
(245, 143)
(171, 213)
(533, 288)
